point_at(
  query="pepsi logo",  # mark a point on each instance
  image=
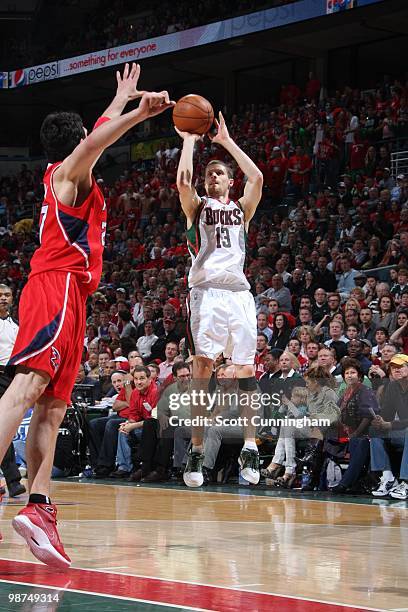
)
(18, 78)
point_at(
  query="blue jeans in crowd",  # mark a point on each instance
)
(380, 460)
(359, 449)
(124, 452)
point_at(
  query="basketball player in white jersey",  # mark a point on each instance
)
(222, 317)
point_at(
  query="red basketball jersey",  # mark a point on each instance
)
(71, 238)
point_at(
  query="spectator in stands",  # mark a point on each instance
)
(326, 359)
(280, 331)
(271, 365)
(103, 430)
(262, 350)
(83, 379)
(142, 401)
(336, 334)
(145, 343)
(279, 293)
(358, 408)
(392, 426)
(355, 351)
(367, 329)
(263, 327)
(400, 336)
(386, 316)
(169, 335)
(285, 450)
(128, 327)
(346, 279)
(157, 441)
(165, 367)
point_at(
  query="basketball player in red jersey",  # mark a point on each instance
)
(65, 269)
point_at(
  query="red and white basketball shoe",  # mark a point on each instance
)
(37, 524)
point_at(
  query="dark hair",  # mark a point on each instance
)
(60, 134)
(94, 328)
(179, 365)
(389, 296)
(127, 345)
(349, 362)
(218, 162)
(384, 330)
(334, 294)
(125, 315)
(142, 368)
(263, 336)
(286, 325)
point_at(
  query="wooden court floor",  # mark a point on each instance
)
(171, 548)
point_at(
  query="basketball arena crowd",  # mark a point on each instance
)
(327, 261)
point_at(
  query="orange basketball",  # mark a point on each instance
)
(193, 114)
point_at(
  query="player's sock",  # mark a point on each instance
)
(35, 498)
(250, 445)
(197, 449)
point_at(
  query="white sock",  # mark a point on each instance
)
(250, 445)
(388, 475)
(197, 449)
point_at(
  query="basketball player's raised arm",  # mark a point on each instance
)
(188, 196)
(253, 186)
(126, 92)
(79, 164)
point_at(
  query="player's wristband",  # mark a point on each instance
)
(100, 121)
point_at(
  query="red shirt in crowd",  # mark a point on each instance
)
(259, 362)
(326, 149)
(276, 173)
(137, 411)
(300, 163)
(357, 155)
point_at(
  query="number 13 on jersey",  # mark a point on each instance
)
(223, 237)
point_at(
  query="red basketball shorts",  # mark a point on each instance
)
(52, 329)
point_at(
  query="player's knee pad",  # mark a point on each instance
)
(247, 384)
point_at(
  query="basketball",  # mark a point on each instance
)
(193, 114)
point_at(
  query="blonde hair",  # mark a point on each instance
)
(352, 303)
(294, 360)
(300, 393)
(306, 328)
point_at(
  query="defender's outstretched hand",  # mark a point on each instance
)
(153, 103)
(127, 83)
(222, 136)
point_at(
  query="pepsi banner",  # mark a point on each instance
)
(35, 74)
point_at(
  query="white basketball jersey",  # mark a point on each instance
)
(216, 241)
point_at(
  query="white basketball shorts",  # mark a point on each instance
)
(222, 321)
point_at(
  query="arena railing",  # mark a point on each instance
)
(399, 163)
